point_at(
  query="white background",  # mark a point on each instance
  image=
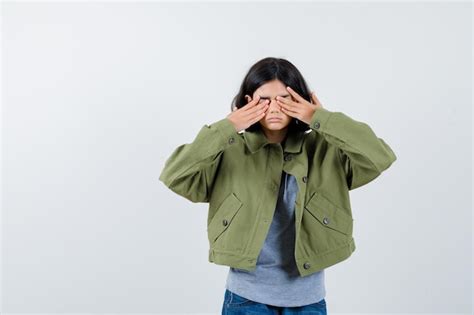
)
(95, 97)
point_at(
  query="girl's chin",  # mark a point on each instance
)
(275, 127)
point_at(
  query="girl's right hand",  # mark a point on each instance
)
(248, 114)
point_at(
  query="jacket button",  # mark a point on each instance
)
(287, 157)
(231, 140)
(316, 125)
(305, 179)
(306, 265)
(325, 220)
(225, 222)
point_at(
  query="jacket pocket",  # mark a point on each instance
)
(223, 217)
(329, 214)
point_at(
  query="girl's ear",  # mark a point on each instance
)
(248, 98)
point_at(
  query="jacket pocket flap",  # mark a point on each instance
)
(329, 214)
(223, 216)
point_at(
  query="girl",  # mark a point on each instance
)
(292, 152)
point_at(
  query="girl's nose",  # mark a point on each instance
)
(274, 107)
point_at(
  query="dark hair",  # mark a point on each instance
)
(269, 69)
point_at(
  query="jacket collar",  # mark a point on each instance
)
(255, 140)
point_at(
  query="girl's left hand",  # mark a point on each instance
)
(300, 109)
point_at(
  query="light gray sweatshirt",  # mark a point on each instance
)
(276, 281)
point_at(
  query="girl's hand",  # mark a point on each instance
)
(301, 108)
(248, 114)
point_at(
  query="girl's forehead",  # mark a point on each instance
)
(271, 94)
(272, 87)
(271, 90)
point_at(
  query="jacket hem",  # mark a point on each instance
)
(316, 263)
(326, 259)
(232, 259)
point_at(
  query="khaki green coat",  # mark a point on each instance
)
(239, 173)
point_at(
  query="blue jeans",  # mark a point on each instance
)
(238, 305)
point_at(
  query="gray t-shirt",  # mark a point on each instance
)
(276, 280)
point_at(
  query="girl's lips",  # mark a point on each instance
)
(274, 119)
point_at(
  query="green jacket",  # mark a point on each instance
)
(238, 174)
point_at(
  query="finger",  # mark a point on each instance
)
(314, 98)
(248, 98)
(283, 99)
(256, 116)
(290, 112)
(289, 104)
(256, 119)
(263, 106)
(252, 103)
(295, 95)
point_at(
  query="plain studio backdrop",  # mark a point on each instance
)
(97, 95)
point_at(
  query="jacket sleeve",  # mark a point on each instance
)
(191, 168)
(363, 155)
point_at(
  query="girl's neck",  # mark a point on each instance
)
(275, 136)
